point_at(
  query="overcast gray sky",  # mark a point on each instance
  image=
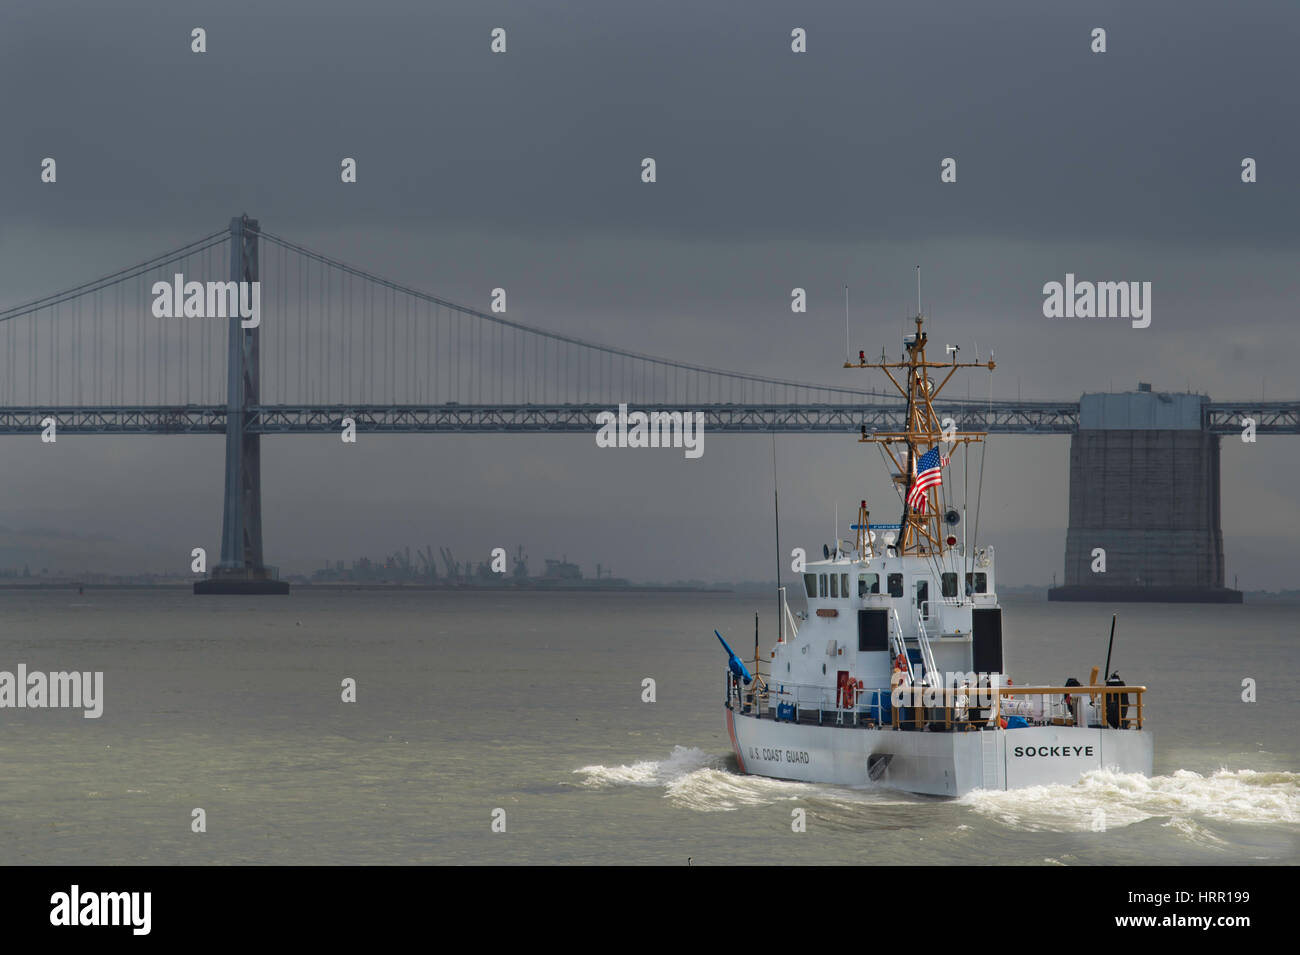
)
(775, 170)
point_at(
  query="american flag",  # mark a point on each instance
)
(928, 475)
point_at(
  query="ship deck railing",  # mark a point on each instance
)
(956, 713)
(981, 706)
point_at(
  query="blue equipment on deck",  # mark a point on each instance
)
(733, 661)
(879, 706)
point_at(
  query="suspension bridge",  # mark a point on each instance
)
(339, 343)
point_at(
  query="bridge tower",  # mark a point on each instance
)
(241, 570)
(1144, 489)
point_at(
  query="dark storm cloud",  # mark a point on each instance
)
(1052, 141)
(775, 170)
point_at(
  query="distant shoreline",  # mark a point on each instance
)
(1251, 596)
(457, 588)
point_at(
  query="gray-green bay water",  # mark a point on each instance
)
(532, 703)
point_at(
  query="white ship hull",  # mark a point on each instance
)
(941, 764)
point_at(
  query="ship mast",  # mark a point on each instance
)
(921, 530)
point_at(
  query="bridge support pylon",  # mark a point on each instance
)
(1144, 502)
(241, 570)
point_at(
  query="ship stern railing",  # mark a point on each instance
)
(951, 707)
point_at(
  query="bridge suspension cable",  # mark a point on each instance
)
(121, 275)
(558, 336)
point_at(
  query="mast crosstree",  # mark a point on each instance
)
(921, 531)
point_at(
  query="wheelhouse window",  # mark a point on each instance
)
(821, 585)
(844, 585)
(835, 585)
(895, 585)
(810, 584)
(977, 583)
(868, 584)
(949, 582)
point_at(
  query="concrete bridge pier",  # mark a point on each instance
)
(242, 570)
(1144, 502)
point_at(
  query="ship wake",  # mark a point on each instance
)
(705, 782)
(1187, 802)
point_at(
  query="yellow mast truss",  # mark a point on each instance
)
(921, 532)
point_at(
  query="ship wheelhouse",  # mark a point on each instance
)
(860, 612)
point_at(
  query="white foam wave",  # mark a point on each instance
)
(1113, 800)
(716, 790)
(694, 779)
(649, 772)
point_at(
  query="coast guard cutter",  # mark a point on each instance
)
(896, 674)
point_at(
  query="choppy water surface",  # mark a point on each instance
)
(531, 703)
